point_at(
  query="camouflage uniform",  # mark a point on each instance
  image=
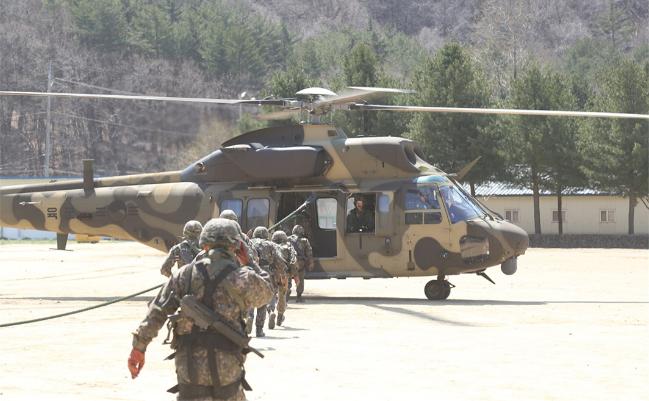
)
(270, 261)
(253, 258)
(184, 252)
(208, 366)
(288, 270)
(304, 253)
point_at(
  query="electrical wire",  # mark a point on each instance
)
(95, 86)
(172, 133)
(176, 133)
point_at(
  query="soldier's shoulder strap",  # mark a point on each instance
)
(211, 284)
(174, 248)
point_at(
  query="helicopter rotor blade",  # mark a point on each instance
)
(355, 94)
(558, 113)
(137, 97)
(465, 170)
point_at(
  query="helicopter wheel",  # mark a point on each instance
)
(437, 289)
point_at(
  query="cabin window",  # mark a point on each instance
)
(384, 215)
(423, 218)
(459, 206)
(555, 216)
(327, 211)
(607, 216)
(384, 203)
(422, 198)
(511, 215)
(257, 212)
(414, 218)
(360, 213)
(433, 218)
(236, 205)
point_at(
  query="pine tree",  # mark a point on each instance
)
(616, 150)
(560, 143)
(101, 24)
(450, 141)
(360, 68)
(546, 146)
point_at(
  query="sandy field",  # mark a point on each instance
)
(570, 325)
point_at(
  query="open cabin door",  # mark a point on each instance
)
(318, 219)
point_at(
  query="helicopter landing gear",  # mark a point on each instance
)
(438, 289)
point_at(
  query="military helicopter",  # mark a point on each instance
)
(421, 221)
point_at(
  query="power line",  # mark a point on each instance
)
(177, 133)
(95, 86)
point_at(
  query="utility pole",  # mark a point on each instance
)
(48, 124)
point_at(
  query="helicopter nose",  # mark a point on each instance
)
(516, 238)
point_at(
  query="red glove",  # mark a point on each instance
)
(242, 254)
(135, 362)
(297, 280)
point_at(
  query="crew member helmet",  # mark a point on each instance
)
(219, 232)
(279, 237)
(192, 229)
(260, 232)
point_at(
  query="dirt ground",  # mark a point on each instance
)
(570, 325)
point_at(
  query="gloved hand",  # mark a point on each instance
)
(242, 254)
(135, 362)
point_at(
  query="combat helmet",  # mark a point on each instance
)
(298, 230)
(279, 237)
(192, 229)
(229, 214)
(219, 232)
(260, 232)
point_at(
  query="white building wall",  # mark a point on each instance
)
(582, 213)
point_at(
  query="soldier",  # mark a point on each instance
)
(285, 273)
(252, 253)
(270, 261)
(252, 256)
(359, 219)
(184, 252)
(208, 365)
(304, 258)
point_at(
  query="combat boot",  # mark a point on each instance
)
(271, 321)
(260, 332)
(299, 299)
(280, 319)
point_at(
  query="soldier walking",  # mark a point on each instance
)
(270, 261)
(209, 366)
(282, 277)
(253, 257)
(184, 252)
(304, 254)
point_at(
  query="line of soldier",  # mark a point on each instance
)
(231, 275)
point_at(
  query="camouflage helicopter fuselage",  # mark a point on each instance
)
(267, 165)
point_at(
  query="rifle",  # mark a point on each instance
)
(203, 317)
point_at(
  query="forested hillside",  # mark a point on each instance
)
(575, 54)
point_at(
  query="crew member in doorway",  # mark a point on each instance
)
(359, 219)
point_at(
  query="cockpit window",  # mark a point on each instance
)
(458, 205)
(422, 198)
